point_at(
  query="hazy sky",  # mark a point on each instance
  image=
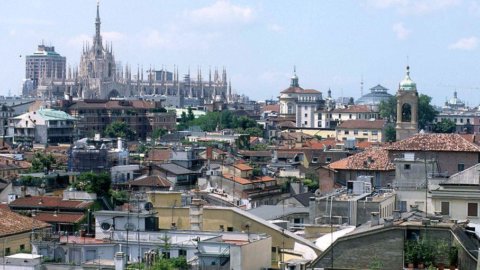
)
(332, 43)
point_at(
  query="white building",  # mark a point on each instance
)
(300, 104)
(136, 233)
(42, 126)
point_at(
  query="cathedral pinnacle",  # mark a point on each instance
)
(98, 38)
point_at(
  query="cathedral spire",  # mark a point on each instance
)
(98, 38)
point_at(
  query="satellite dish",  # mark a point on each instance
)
(317, 192)
(129, 226)
(148, 206)
(105, 226)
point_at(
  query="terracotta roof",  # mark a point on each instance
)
(439, 142)
(292, 89)
(286, 124)
(469, 137)
(299, 90)
(273, 108)
(244, 181)
(315, 144)
(243, 167)
(372, 159)
(353, 109)
(13, 223)
(362, 124)
(150, 181)
(60, 217)
(251, 153)
(39, 202)
(159, 154)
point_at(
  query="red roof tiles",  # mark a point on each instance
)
(68, 218)
(373, 159)
(435, 142)
(39, 202)
(13, 223)
(362, 124)
(243, 167)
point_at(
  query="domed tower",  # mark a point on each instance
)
(407, 108)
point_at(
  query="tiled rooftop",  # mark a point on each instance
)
(49, 202)
(435, 142)
(362, 124)
(372, 159)
(13, 223)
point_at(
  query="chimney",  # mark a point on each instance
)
(375, 219)
(120, 261)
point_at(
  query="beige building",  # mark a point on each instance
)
(458, 197)
(362, 130)
(215, 218)
(16, 231)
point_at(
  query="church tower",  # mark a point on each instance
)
(407, 108)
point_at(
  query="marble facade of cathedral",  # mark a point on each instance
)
(99, 77)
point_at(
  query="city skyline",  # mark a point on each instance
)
(333, 45)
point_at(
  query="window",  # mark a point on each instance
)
(182, 252)
(7, 251)
(166, 255)
(461, 120)
(445, 208)
(328, 159)
(306, 115)
(346, 132)
(355, 132)
(306, 122)
(374, 132)
(229, 229)
(274, 249)
(365, 132)
(472, 209)
(22, 247)
(314, 159)
(298, 220)
(350, 116)
(460, 167)
(406, 166)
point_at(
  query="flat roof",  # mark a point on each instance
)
(24, 256)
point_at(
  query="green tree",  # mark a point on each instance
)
(388, 109)
(390, 133)
(426, 112)
(190, 115)
(445, 126)
(183, 117)
(119, 129)
(158, 132)
(98, 183)
(254, 131)
(42, 161)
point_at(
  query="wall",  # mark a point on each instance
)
(362, 214)
(255, 255)
(214, 217)
(13, 242)
(385, 245)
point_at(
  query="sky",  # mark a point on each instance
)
(333, 44)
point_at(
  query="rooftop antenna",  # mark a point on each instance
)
(361, 86)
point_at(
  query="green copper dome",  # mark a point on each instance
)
(407, 84)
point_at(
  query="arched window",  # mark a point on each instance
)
(406, 112)
(290, 108)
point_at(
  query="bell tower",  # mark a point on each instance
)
(407, 108)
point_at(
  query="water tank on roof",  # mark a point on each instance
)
(350, 143)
